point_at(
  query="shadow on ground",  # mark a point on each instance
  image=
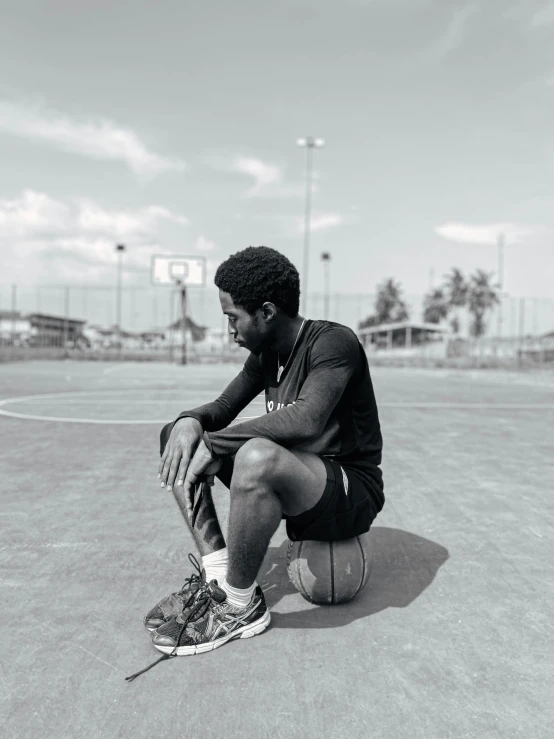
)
(404, 565)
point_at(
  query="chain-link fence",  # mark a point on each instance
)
(54, 320)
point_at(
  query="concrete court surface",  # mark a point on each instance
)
(452, 636)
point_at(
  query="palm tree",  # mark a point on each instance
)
(482, 297)
(389, 306)
(456, 289)
(435, 306)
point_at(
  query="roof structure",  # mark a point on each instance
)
(10, 315)
(44, 319)
(401, 326)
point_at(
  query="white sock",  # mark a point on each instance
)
(215, 565)
(237, 596)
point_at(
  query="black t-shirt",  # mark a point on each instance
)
(324, 402)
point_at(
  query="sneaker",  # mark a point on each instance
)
(211, 622)
(174, 604)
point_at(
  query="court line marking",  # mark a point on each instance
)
(116, 421)
(141, 422)
(259, 399)
(491, 406)
(63, 419)
(128, 401)
(87, 393)
(67, 419)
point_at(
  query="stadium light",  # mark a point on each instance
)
(309, 143)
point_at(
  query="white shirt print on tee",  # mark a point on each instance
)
(345, 481)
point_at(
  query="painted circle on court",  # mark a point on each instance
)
(88, 397)
(100, 399)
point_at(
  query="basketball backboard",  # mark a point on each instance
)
(171, 269)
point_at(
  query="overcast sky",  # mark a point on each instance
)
(171, 126)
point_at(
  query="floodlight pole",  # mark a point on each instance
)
(501, 241)
(66, 316)
(14, 317)
(309, 143)
(183, 292)
(325, 258)
(120, 248)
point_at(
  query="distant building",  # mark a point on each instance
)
(14, 327)
(55, 330)
(38, 329)
(405, 338)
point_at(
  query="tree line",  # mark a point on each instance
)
(477, 293)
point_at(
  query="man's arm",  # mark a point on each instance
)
(334, 360)
(242, 390)
(185, 437)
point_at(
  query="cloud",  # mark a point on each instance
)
(98, 138)
(454, 34)
(324, 221)
(42, 238)
(268, 179)
(36, 215)
(542, 17)
(33, 214)
(135, 224)
(204, 244)
(263, 174)
(464, 233)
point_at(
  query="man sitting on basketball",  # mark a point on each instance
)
(312, 459)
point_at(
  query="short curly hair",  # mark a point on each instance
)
(259, 274)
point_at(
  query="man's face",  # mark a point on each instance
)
(248, 330)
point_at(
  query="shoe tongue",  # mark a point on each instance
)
(216, 592)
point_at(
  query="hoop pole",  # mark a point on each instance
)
(184, 323)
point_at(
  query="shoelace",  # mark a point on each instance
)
(203, 598)
(194, 577)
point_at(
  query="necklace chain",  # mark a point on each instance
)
(280, 370)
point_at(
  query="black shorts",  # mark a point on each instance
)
(346, 509)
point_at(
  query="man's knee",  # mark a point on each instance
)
(257, 459)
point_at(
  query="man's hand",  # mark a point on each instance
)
(202, 467)
(185, 436)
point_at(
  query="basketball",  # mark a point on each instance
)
(330, 572)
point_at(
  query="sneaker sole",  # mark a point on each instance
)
(244, 632)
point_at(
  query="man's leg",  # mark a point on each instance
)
(209, 542)
(207, 531)
(267, 481)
